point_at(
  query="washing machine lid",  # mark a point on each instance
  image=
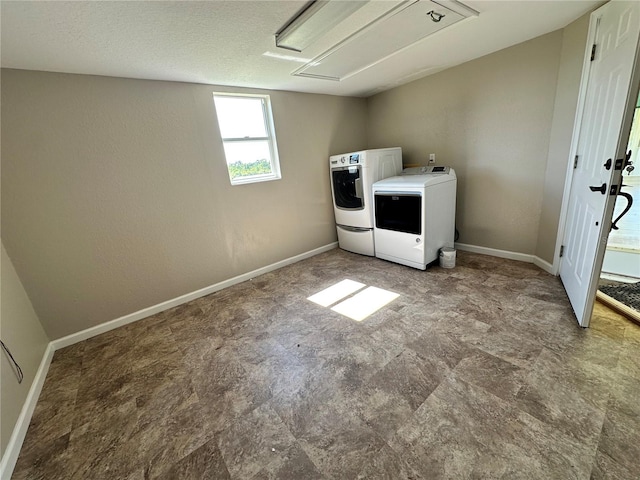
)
(414, 181)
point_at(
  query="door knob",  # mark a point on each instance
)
(602, 189)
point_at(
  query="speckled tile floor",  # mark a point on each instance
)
(475, 372)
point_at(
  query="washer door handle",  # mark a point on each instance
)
(358, 185)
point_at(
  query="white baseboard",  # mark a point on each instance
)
(174, 302)
(14, 445)
(544, 265)
(521, 257)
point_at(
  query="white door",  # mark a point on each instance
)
(600, 139)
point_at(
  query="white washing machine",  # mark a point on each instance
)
(352, 177)
(415, 216)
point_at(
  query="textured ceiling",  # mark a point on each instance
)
(224, 42)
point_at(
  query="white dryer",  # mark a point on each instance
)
(415, 216)
(352, 177)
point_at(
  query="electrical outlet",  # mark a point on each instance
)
(432, 158)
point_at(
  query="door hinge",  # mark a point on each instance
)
(575, 162)
(561, 250)
(593, 52)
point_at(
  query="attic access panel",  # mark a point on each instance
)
(401, 27)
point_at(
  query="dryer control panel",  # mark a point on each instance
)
(425, 170)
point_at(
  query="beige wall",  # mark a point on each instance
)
(490, 119)
(115, 194)
(574, 40)
(23, 334)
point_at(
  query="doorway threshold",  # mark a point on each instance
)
(619, 307)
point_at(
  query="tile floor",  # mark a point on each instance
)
(475, 372)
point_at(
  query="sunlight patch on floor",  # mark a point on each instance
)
(336, 292)
(364, 303)
(359, 306)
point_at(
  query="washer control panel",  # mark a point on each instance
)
(346, 160)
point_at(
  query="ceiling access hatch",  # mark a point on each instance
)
(401, 27)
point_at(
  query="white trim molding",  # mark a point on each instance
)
(12, 451)
(174, 302)
(521, 257)
(544, 265)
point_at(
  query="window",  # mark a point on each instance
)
(248, 137)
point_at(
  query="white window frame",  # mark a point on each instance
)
(270, 139)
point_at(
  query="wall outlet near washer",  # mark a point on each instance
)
(432, 158)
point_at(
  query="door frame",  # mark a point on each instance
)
(623, 138)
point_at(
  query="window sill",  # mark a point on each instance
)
(255, 179)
